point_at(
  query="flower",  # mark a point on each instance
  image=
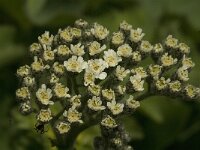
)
(77, 49)
(81, 23)
(187, 63)
(89, 78)
(137, 83)
(63, 50)
(182, 74)
(121, 89)
(76, 33)
(99, 31)
(131, 103)
(158, 48)
(94, 89)
(95, 104)
(145, 47)
(191, 91)
(167, 60)
(136, 57)
(54, 79)
(75, 101)
(124, 50)
(139, 71)
(95, 48)
(117, 38)
(136, 35)
(35, 48)
(115, 108)
(75, 64)
(155, 71)
(25, 108)
(48, 54)
(73, 115)
(63, 127)
(121, 73)
(65, 35)
(23, 93)
(108, 122)
(44, 95)
(37, 65)
(162, 83)
(109, 94)
(111, 58)
(29, 81)
(44, 115)
(125, 26)
(61, 91)
(184, 48)
(171, 42)
(23, 71)
(175, 86)
(58, 68)
(46, 38)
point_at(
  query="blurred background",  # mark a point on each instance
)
(160, 124)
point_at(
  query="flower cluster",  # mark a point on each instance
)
(83, 68)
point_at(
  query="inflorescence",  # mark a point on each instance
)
(84, 71)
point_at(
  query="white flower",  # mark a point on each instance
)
(44, 115)
(73, 115)
(125, 26)
(162, 83)
(167, 60)
(77, 49)
(111, 58)
(48, 54)
(137, 82)
(23, 93)
(155, 70)
(136, 35)
(187, 62)
(63, 50)
(95, 104)
(75, 101)
(121, 73)
(136, 57)
(158, 48)
(185, 49)
(117, 38)
(182, 74)
(23, 71)
(94, 89)
(46, 38)
(25, 107)
(89, 78)
(171, 42)
(139, 71)
(65, 35)
(29, 81)
(99, 31)
(115, 108)
(76, 33)
(37, 65)
(95, 48)
(58, 68)
(175, 86)
(121, 89)
(44, 95)
(61, 91)
(35, 48)
(109, 94)
(54, 79)
(63, 127)
(145, 47)
(97, 66)
(124, 50)
(75, 64)
(192, 91)
(131, 103)
(108, 122)
(81, 23)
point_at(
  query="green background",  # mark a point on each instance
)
(160, 123)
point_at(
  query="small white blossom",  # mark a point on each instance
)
(109, 94)
(44, 115)
(136, 35)
(185, 49)
(99, 31)
(117, 38)
(121, 73)
(131, 103)
(95, 48)
(73, 115)
(29, 81)
(75, 101)
(58, 68)
(94, 89)
(75, 32)
(63, 50)
(109, 122)
(95, 104)
(61, 91)
(77, 49)
(137, 82)
(75, 64)
(182, 74)
(121, 89)
(48, 54)
(175, 86)
(46, 39)
(37, 65)
(171, 42)
(162, 83)
(158, 48)
(124, 50)
(154, 70)
(81, 23)
(23, 71)
(35, 48)
(125, 26)
(89, 78)
(136, 57)
(139, 71)
(115, 108)
(65, 35)
(25, 107)
(187, 62)
(111, 58)
(44, 95)
(23, 93)
(54, 79)
(63, 127)
(191, 91)
(145, 47)
(167, 60)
